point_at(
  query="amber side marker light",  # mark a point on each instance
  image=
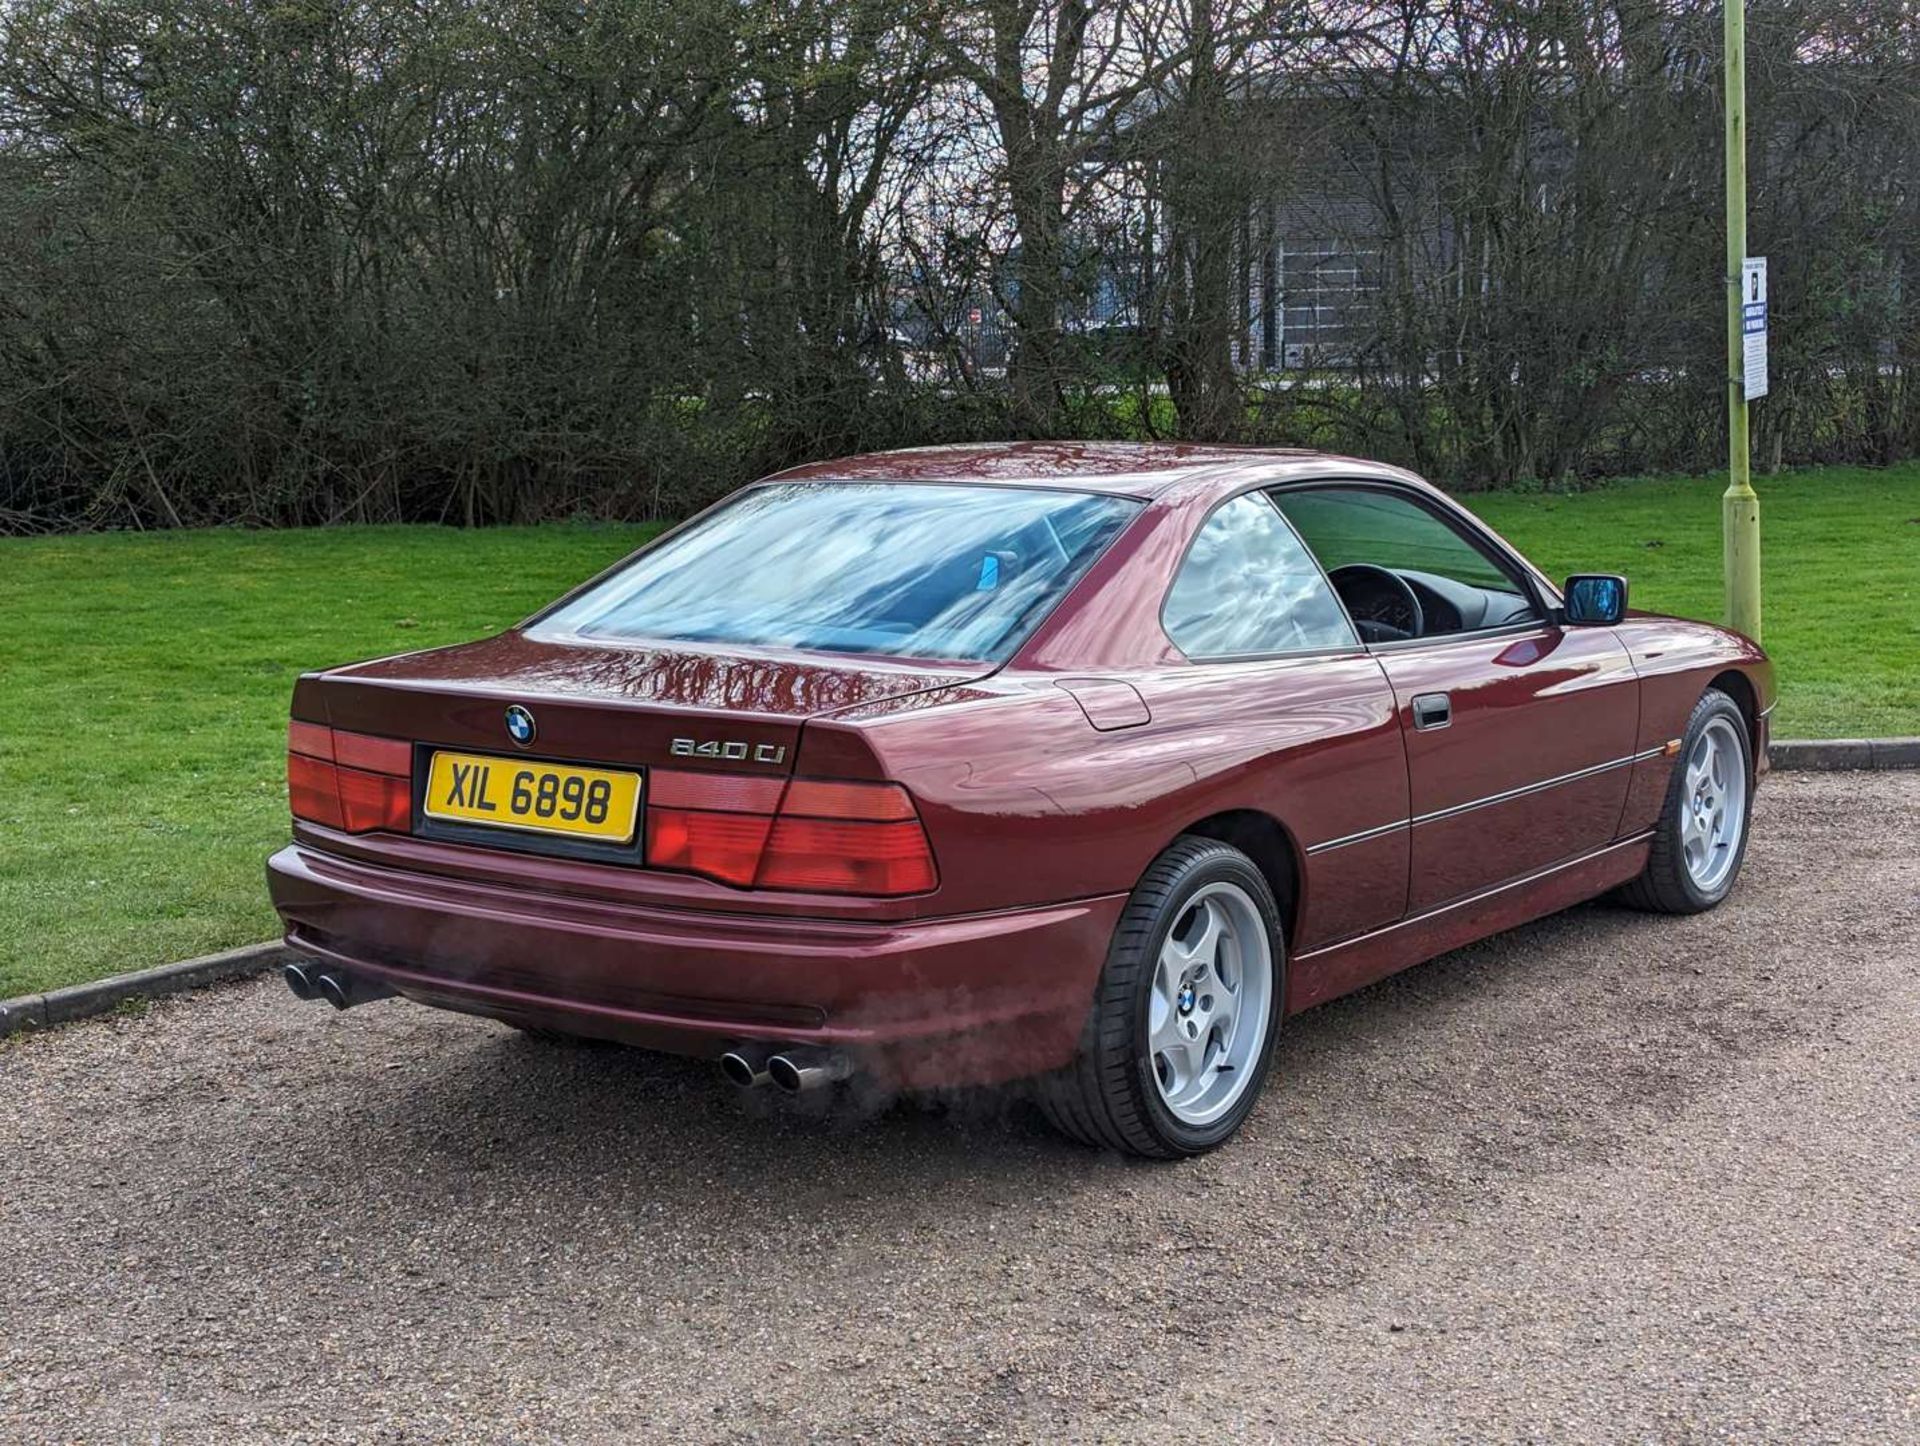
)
(350, 781)
(819, 835)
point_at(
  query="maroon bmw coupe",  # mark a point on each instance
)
(1073, 763)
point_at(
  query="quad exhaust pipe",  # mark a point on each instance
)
(799, 1070)
(339, 987)
(795, 1069)
(746, 1065)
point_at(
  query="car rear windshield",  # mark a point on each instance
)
(914, 570)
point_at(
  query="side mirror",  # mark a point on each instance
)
(1595, 599)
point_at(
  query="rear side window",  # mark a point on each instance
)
(914, 570)
(1249, 586)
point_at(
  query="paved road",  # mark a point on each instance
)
(1608, 1177)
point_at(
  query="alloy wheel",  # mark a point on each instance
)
(1713, 805)
(1210, 1006)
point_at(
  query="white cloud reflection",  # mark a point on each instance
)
(921, 571)
(1249, 586)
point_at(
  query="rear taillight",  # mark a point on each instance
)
(847, 858)
(724, 846)
(349, 781)
(819, 835)
(313, 789)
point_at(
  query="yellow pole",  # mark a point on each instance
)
(1739, 505)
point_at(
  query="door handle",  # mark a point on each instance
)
(1432, 710)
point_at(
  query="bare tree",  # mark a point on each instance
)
(496, 259)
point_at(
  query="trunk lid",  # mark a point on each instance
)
(667, 705)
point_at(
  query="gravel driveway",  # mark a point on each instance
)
(1607, 1176)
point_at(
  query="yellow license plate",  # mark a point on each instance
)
(593, 803)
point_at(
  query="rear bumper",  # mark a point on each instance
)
(974, 999)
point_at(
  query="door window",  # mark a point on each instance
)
(1402, 570)
(1248, 587)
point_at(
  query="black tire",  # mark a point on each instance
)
(1665, 886)
(1107, 1097)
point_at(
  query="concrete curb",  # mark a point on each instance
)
(77, 1001)
(1832, 753)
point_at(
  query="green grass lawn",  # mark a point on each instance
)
(1840, 591)
(144, 682)
(144, 679)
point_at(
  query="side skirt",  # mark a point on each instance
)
(1355, 963)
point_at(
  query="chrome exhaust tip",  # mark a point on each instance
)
(798, 1070)
(301, 980)
(746, 1066)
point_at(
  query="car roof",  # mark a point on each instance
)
(1127, 469)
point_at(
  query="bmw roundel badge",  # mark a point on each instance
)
(520, 725)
